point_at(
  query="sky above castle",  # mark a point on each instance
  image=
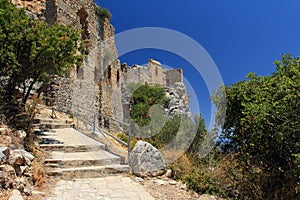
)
(240, 36)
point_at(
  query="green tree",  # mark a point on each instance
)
(144, 98)
(262, 128)
(31, 51)
(199, 137)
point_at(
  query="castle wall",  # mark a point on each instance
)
(173, 76)
(88, 90)
(153, 74)
(155, 69)
(98, 86)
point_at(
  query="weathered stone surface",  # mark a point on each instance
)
(20, 156)
(160, 182)
(8, 170)
(27, 191)
(207, 197)
(16, 195)
(4, 154)
(146, 160)
(20, 170)
(21, 134)
(178, 102)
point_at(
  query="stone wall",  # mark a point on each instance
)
(99, 85)
(96, 85)
(153, 74)
(34, 8)
(173, 76)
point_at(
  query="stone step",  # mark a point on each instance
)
(54, 125)
(88, 172)
(72, 148)
(49, 121)
(79, 159)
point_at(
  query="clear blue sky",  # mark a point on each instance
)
(241, 36)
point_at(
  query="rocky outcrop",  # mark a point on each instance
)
(15, 170)
(16, 195)
(178, 102)
(146, 160)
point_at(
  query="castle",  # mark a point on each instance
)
(98, 85)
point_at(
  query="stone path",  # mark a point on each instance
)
(116, 187)
(84, 169)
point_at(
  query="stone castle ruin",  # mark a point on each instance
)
(153, 74)
(98, 85)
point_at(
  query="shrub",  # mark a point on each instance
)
(104, 13)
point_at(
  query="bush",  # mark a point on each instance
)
(262, 129)
(197, 177)
(104, 13)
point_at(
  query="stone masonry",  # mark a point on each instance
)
(153, 74)
(98, 85)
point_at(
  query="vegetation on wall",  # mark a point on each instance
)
(104, 13)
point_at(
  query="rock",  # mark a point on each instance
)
(2, 178)
(178, 103)
(23, 153)
(16, 195)
(20, 157)
(8, 170)
(168, 173)
(138, 179)
(16, 160)
(173, 182)
(38, 194)
(20, 170)
(207, 197)
(22, 134)
(146, 160)
(183, 187)
(5, 151)
(4, 154)
(27, 191)
(160, 182)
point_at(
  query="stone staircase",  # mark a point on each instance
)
(49, 123)
(73, 155)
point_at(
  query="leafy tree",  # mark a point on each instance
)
(31, 51)
(199, 137)
(262, 129)
(144, 98)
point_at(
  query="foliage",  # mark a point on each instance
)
(32, 52)
(262, 126)
(143, 99)
(104, 13)
(199, 137)
(197, 175)
(166, 134)
(125, 138)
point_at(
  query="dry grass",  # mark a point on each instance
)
(38, 172)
